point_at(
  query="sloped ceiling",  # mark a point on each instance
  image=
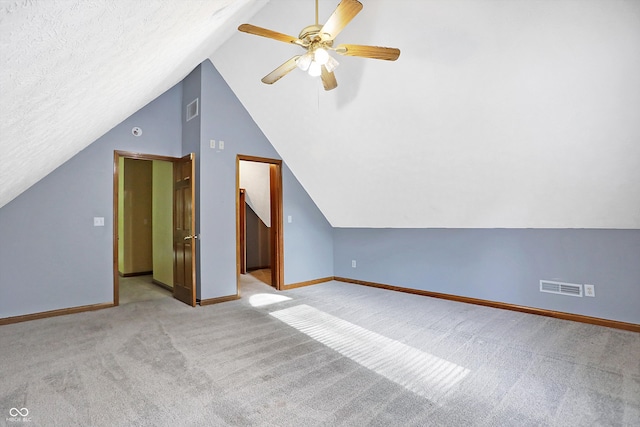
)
(497, 114)
(516, 113)
(73, 69)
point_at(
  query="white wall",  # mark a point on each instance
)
(254, 178)
(498, 114)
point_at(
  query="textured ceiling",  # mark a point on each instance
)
(497, 114)
(73, 69)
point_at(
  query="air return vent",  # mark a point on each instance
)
(561, 288)
(192, 109)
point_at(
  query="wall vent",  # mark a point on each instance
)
(192, 109)
(552, 287)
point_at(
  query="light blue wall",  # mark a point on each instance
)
(308, 243)
(501, 265)
(308, 239)
(57, 259)
(51, 255)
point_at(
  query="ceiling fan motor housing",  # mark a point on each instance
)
(311, 34)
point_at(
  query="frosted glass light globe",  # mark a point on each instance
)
(321, 56)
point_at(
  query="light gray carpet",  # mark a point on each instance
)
(140, 288)
(331, 354)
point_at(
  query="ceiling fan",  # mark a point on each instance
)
(318, 41)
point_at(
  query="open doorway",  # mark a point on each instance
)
(153, 204)
(259, 219)
(144, 220)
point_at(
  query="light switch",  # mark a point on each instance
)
(98, 221)
(289, 219)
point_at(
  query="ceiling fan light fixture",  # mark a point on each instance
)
(315, 69)
(331, 64)
(304, 61)
(321, 56)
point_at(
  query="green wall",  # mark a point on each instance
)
(162, 219)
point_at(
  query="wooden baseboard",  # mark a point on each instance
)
(162, 285)
(249, 269)
(141, 273)
(502, 305)
(218, 300)
(53, 313)
(307, 283)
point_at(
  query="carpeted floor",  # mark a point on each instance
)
(140, 288)
(329, 354)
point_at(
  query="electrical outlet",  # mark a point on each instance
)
(98, 221)
(353, 263)
(221, 145)
(590, 290)
(212, 143)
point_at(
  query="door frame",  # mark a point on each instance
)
(243, 230)
(277, 228)
(117, 154)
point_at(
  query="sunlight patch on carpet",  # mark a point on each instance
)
(420, 372)
(260, 300)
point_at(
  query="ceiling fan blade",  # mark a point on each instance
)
(375, 52)
(263, 32)
(344, 13)
(328, 79)
(281, 71)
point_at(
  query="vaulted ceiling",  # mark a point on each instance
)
(497, 114)
(73, 69)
